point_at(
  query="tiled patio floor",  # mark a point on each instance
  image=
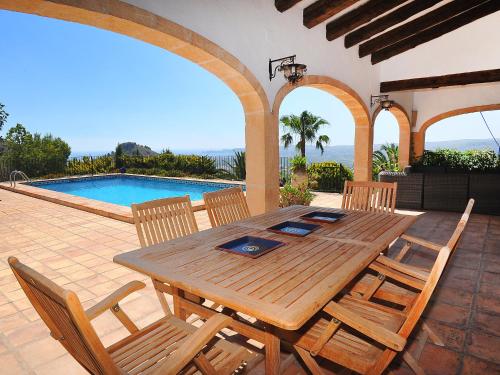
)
(75, 249)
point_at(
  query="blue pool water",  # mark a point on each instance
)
(125, 190)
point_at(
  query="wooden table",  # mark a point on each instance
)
(283, 288)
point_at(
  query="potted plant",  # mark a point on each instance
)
(299, 170)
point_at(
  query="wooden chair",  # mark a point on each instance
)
(162, 220)
(415, 277)
(411, 280)
(168, 346)
(370, 196)
(226, 206)
(362, 335)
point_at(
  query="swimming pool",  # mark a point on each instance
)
(127, 189)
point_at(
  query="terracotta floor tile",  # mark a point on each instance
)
(484, 346)
(439, 361)
(76, 248)
(443, 312)
(488, 303)
(488, 323)
(476, 366)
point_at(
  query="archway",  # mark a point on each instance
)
(404, 132)
(419, 137)
(261, 133)
(363, 139)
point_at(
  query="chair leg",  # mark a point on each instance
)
(160, 290)
(309, 361)
(411, 361)
(433, 336)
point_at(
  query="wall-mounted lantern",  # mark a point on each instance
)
(383, 100)
(293, 72)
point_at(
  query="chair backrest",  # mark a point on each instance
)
(226, 206)
(163, 220)
(453, 241)
(63, 313)
(370, 196)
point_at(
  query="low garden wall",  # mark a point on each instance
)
(446, 191)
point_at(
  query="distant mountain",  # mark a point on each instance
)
(342, 153)
(134, 149)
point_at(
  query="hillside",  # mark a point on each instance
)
(134, 149)
(345, 153)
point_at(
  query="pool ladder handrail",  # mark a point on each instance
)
(14, 174)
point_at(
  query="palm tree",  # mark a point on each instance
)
(386, 158)
(304, 128)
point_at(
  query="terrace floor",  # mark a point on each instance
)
(75, 249)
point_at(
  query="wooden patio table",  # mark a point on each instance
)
(283, 288)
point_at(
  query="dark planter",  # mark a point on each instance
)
(410, 188)
(446, 192)
(485, 189)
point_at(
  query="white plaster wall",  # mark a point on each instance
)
(434, 102)
(254, 31)
(475, 46)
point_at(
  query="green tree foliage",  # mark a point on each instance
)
(35, 154)
(386, 159)
(3, 116)
(119, 156)
(303, 129)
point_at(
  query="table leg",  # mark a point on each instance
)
(272, 347)
(178, 310)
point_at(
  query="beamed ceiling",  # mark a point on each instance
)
(386, 28)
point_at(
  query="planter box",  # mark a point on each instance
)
(445, 192)
(410, 188)
(485, 189)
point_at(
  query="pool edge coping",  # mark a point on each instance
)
(109, 210)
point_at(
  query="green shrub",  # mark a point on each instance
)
(467, 161)
(290, 195)
(328, 176)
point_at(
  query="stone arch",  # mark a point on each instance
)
(123, 18)
(363, 139)
(404, 132)
(419, 136)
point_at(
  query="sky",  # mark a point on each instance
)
(95, 88)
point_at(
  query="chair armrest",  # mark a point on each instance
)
(115, 297)
(422, 242)
(378, 333)
(193, 345)
(416, 272)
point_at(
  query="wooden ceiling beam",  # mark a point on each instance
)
(434, 32)
(380, 24)
(321, 10)
(359, 16)
(283, 5)
(482, 76)
(415, 26)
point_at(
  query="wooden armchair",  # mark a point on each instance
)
(370, 196)
(414, 277)
(226, 206)
(168, 346)
(163, 220)
(362, 335)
